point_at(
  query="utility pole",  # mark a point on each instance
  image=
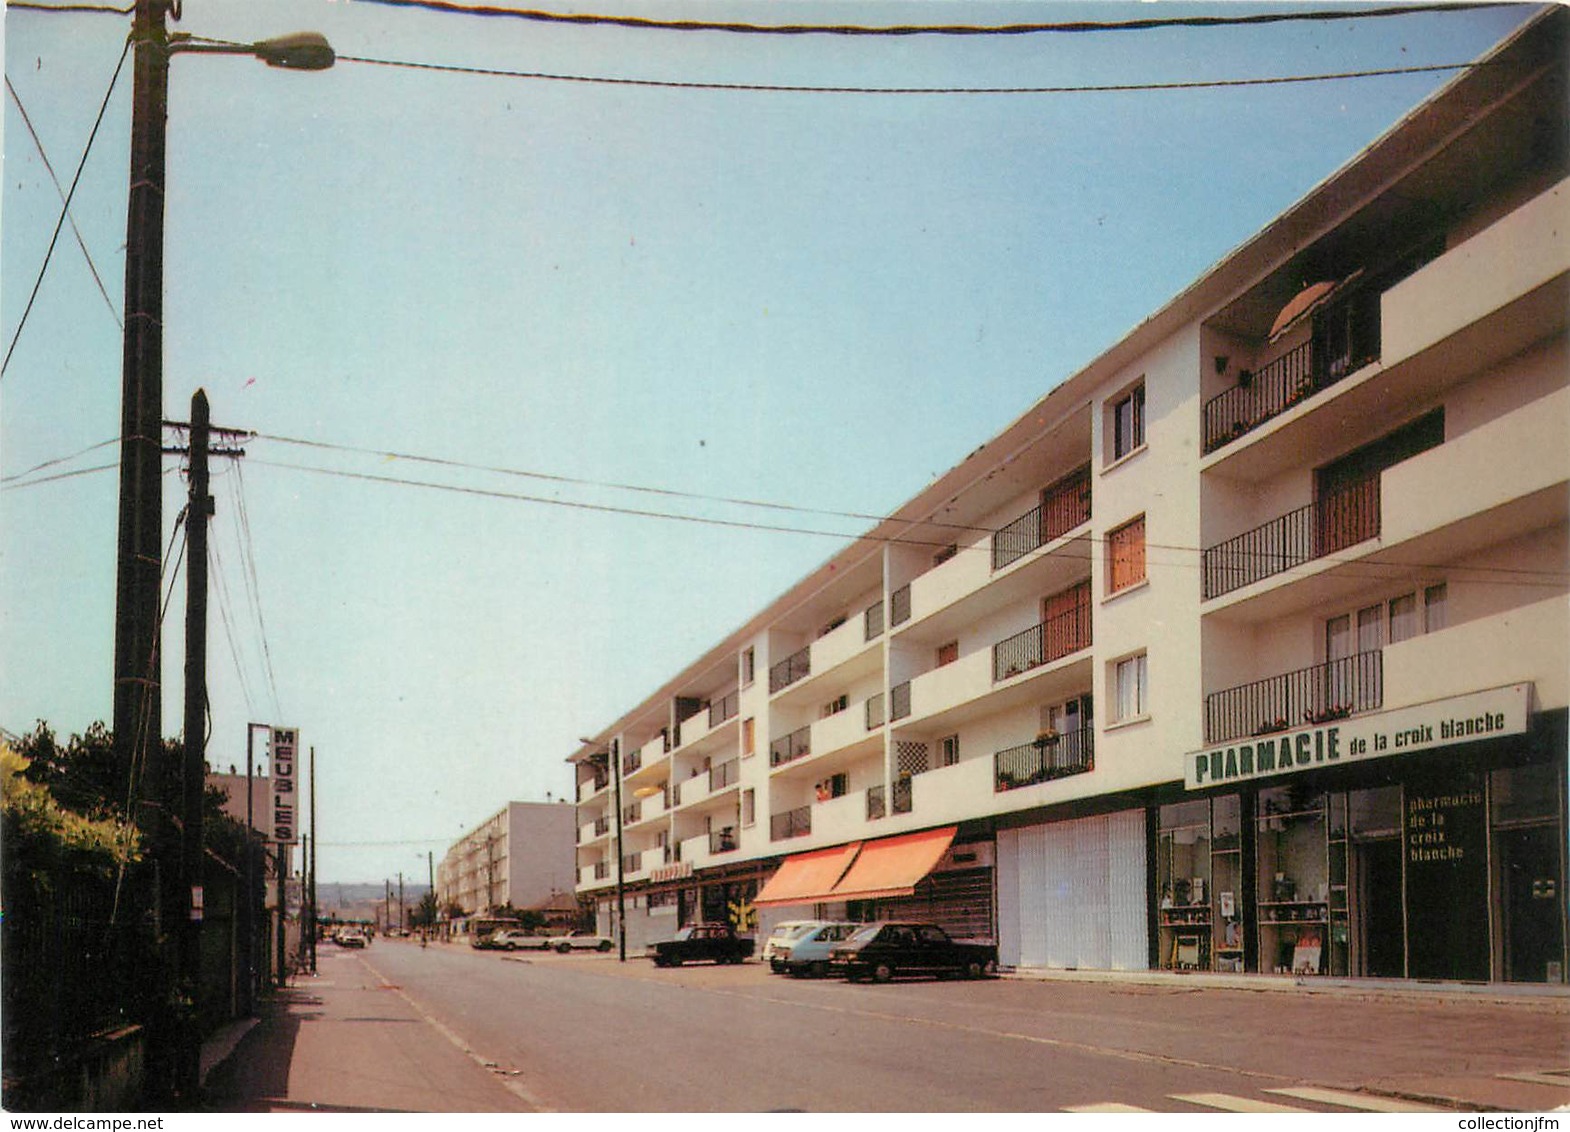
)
(283, 909)
(316, 842)
(621, 878)
(400, 900)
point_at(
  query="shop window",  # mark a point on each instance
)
(1126, 555)
(1293, 859)
(1126, 422)
(1130, 688)
(1183, 880)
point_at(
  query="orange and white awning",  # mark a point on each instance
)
(892, 866)
(807, 878)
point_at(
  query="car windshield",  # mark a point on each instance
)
(684, 933)
(863, 934)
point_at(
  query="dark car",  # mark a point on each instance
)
(882, 950)
(714, 943)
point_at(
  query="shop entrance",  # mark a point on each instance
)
(1381, 932)
(1530, 884)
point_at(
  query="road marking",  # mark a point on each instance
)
(1362, 1101)
(1228, 1103)
(1554, 1077)
(1111, 1106)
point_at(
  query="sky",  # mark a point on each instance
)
(429, 289)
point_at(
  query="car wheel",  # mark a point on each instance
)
(562, 949)
(675, 961)
(604, 945)
(819, 970)
(973, 969)
(882, 973)
(659, 961)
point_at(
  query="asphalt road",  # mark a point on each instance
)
(584, 1033)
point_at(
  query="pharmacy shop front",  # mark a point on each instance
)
(1426, 842)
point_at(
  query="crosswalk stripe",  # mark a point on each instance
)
(1551, 1077)
(1109, 1107)
(1361, 1101)
(1228, 1103)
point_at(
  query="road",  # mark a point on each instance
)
(584, 1033)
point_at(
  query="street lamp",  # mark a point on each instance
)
(138, 707)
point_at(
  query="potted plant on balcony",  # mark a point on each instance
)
(1045, 738)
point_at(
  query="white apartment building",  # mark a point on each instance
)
(1247, 648)
(521, 855)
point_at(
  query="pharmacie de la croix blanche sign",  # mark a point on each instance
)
(1461, 719)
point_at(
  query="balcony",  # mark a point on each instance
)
(797, 666)
(792, 823)
(899, 606)
(723, 709)
(631, 863)
(1053, 639)
(724, 774)
(872, 622)
(602, 826)
(877, 802)
(1064, 506)
(1339, 521)
(900, 795)
(789, 748)
(723, 841)
(631, 762)
(874, 712)
(899, 701)
(602, 870)
(590, 787)
(632, 815)
(1317, 694)
(1044, 760)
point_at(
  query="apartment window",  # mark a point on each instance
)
(1434, 608)
(749, 736)
(1126, 555)
(834, 786)
(1396, 619)
(834, 706)
(1127, 422)
(1131, 688)
(749, 665)
(748, 808)
(948, 654)
(948, 750)
(1403, 617)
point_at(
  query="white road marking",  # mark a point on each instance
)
(1108, 1107)
(1226, 1102)
(1555, 1077)
(1361, 1101)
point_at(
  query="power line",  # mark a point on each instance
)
(66, 208)
(447, 7)
(59, 188)
(59, 460)
(59, 476)
(20, 5)
(254, 585)
(778, 88)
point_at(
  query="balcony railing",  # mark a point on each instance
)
(632, 862)
(631, 761)
(788, 748)
(602, 870)
(874, 711)
(1317, 694)
(1064, 506)
(723, 840)
(602, 826)
(872, 621)
(899, 605)
(899, 701)
(631, 815)
(724, 709)
(792, 823)
(876, 802)
(1053, 639)
(1339, 520)
(793, 668)
(723, 774)
(902, 795)
(1346, 337)
(1044, 759)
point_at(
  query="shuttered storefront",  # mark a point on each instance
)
(1071, 894)
(958, 902)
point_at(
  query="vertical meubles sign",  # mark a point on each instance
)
(285, 742)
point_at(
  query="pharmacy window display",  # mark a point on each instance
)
(1293, 881)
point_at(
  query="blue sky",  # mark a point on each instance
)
(806, 298)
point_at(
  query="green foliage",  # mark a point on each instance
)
(39, 829)
(424, 914)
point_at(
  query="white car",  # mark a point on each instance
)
(582, 941)
(514, 939)
(784, 932)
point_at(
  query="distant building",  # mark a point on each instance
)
(522, 855)
(233, 786)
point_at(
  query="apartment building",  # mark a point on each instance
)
(521, 855)
(1244, 650)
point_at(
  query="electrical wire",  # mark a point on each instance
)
(59, 476)
(447, 7)
(778, 88)
(66, 208)
(59, 188)
(58, 460)
(24, 6)
(254, 585)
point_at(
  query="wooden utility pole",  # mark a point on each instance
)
(311, 871)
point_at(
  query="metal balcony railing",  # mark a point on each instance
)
(602, 826)
(602, 870)
(899, 701)
(792, 823)
(789, 748)
(899, 605)
(1051, 640)
(1339, 520)
(631, 815)
(631, 761)
(1317, 694)
(1064, 506)
(874, 709)
(632, 862)
(872, 621)
(724, 708)
(723, 840)
(876, 802)
(902, 796)
(1044, 759)
(723, 774)
(793, 668)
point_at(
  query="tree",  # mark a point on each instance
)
(424, 914)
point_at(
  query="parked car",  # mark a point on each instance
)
(808, 953)
(582, 941)
(715, 943)
(512, 939)
(880, 951)
(782, 933)
(351, 937)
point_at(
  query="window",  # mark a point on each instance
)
(1128, 422)
(749, 736)
(948, 750)
(835, 786)
(748, 808)
(1403, 617)
(1126, 555)
(749, 664)
(1131, 688)
(1434, 608)
(948, 654)
(1371, 627)
(834, 706)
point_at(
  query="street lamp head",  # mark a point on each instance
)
(303, 51)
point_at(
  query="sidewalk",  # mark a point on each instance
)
(343, 1041)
